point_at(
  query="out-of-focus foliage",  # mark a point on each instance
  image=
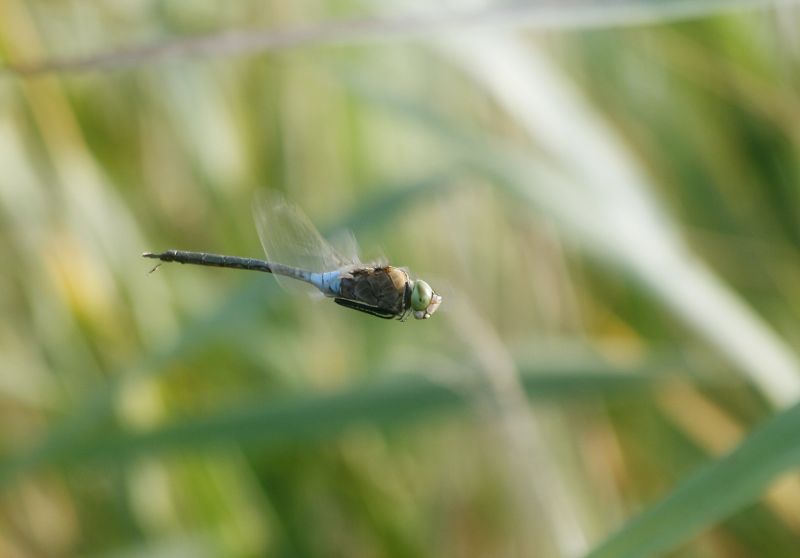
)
(612, 215)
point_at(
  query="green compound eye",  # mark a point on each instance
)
(421, 296)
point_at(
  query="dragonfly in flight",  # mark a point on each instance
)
(296, 251)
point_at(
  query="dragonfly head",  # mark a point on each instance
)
(424, 301)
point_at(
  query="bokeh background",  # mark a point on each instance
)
(607, 198)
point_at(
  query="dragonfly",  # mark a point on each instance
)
(297, 253)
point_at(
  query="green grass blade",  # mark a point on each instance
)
(268, 423)
(712, 494)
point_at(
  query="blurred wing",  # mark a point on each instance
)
(345, 246)
(289, 237)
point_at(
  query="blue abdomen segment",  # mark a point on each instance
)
(329, 282)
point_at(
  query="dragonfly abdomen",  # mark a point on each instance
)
(213, 260)
(328, 283)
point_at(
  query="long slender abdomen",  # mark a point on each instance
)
(293, 272)
(232, 262)
(213, 260)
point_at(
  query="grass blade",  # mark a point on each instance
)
(712, 494)
(531, 16)
(269, 423)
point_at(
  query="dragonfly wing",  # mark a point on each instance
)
(288, 237)
(344, 245)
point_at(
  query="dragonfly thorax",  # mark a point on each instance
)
(383, 291)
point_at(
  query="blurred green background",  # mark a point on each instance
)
(611, 212)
